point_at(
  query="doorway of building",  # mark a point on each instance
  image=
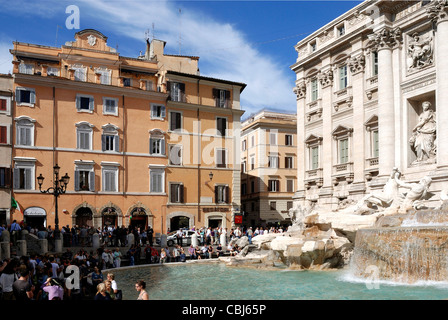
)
(214, 222)
(180, 222)
(35, 221)
(139, 221)
(84, 217)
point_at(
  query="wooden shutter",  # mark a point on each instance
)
(103, 142)
(91, 104)
(18, 96)
(27, 176)
(117, 143)
(227, 194)
(227, 104)
(16, 178)
(32, 97)
(91, 181)
(181, 193)
(3, 134)
(173, 189)
(76, 180)
(216, 194)
(3, 104)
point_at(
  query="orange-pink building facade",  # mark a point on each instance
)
(145, 141)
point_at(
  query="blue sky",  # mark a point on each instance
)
(244, 41)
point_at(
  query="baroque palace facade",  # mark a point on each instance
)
(372, 94)
(145, 141)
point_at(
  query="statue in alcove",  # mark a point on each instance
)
(424, 136)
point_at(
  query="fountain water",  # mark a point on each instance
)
(416, 249)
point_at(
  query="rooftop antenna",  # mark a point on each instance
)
(56, 40)
(180, 31)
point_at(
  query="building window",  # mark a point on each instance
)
(341, 30)
(177, 91)
(105, 77)
(222, 194)
(341, 136)
(84, 103)
(243, 189)
(26, 68)
(157, 180)
(273, 205)
(252, 162)
(252, 186)
(343, 80)
(80, 73)
(84, 177)
(375, 144)
(175, 155)
(288, 140)
(158, 112)
(289, 162)
(314, 90)
(25, 96)
(290, 185)
(3, 134)
(23, 174)
(53, 71)
(343, 151)
(176, 193)
(314, 157)
(4, 104)
(252, 141)
(156, 145)
(25, 131)
(273, 138)
(372, 131)
(127, 82)
(221, 158)
(289, 205)
(175, 120)
(110, 178)
(5, 177)
(84, 134)
(110, 106)
(221, 126)
(110, 141)
(273, 185)
(374, 63)
(273, 161)
(243, 166)
(313, 46)
(222, 98)
(244, 145)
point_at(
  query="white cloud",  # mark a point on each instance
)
(224, 51)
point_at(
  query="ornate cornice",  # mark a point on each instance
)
(437, 11)
(357, 64)
(387, 38)
(326, 78)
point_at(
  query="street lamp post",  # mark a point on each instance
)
(59, 187)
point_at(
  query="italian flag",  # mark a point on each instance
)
(15, 205)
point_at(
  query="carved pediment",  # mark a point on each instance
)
(341, 131)
(313, 139)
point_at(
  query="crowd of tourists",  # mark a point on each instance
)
(44, 277)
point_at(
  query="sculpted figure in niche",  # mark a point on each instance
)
(424, 135)
(419, 51)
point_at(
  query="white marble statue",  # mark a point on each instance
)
(416, 195)
(377, 201)
(424, 135)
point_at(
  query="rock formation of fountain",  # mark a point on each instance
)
(390, 232)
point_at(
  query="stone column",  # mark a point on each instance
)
(357, 65)
(43, 245)
(386, 39)
(327, 161)
(438, 13)
(22, 249)
(300, 91)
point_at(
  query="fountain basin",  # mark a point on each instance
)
(402, 254)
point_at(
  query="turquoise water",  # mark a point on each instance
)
(219, 282)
